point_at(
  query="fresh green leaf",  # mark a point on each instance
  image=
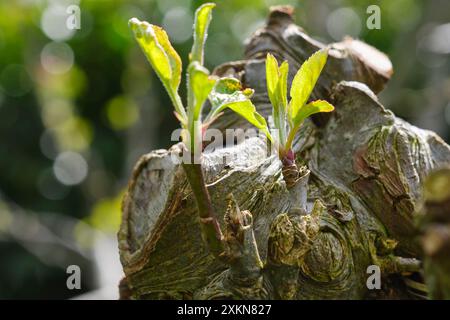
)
(280, 114)
(225, 91)
(201, 24)
(305, 80)
(276, 78)
(282, 83)
(228, 93)
(272, 77)
(227, 85)
(312, 108)
(200, 85)
(304, 112)
(247, 110)
(162, 56)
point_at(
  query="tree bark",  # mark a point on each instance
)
(367, 169)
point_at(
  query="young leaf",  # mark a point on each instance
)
(304, 112)
(247, 110)
(225, 91)
(200, 85)
(280, 114)
(282, 83)
(163, 58)
(305, 80)
(227, 85)
(272, 77)
(201, 24)
(312, 108)
(276, 78)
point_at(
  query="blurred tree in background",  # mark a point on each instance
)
(79, 107)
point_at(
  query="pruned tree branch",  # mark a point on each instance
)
(367, 168)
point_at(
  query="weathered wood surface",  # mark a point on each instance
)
(367, 169)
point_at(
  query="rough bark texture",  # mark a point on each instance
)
(364, 189)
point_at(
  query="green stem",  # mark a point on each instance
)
(290, 138)
(209, 225)
(178, 104)
(279, 119)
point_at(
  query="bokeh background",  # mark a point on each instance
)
(79, 107)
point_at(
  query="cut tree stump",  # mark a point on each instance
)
(367, 171)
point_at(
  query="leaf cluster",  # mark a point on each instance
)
(201, 86)
(226, 92)
(288, 116)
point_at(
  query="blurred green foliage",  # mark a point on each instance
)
(78, 108)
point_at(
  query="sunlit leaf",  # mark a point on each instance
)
(247, 110)
(312, 108)
(227, 85)
(272, 76)
(305, 80)
(162, 56)
(200, 85)
(276, 78)
(228, 93)
(282, 83)
(201, 23)
(226, 90)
